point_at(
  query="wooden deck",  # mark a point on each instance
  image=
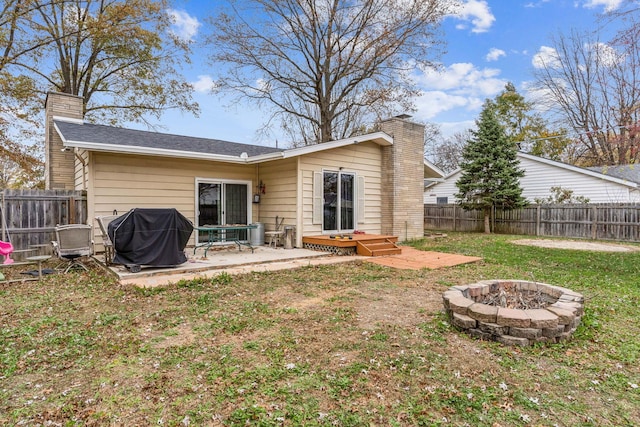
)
(346, 241)
(362, 244)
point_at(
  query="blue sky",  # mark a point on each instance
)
(489, 43)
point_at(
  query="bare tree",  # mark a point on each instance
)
(626, 14)
(12, 15)
(19, 164)
(446, 153)
(325, 67)
(117, 54)
(595, 89)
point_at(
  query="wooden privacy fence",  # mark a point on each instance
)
(598, 221)
(30, 216)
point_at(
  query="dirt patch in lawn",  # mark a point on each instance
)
(576, 245)
(400, 306)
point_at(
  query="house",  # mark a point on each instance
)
(371, 183)
(543, 174)
(626, 172)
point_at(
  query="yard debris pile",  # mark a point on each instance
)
(517, 299)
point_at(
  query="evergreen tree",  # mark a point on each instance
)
(490, 169)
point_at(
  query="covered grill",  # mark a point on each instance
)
(150, 237)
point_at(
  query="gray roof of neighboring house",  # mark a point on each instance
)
(627, 172)
(115, 136)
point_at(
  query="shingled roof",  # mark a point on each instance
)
(626, 172)
(110, 138)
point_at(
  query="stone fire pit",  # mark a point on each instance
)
(514, 312)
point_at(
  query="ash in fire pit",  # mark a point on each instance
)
(514, 312)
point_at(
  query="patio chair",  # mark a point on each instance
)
(103, 223)
(73, 242)
(276, 235)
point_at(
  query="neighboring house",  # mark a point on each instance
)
(372, 183)
(542, 174)
(626, 172)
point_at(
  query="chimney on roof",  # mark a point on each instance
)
(59, 172)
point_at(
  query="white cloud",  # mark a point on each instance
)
(546, 57)
(184, 25)
(609, 5)
(535, 4)
(541, 97)
(463, 78)
(495, 54)
(448, 129)
(459, 85)
(606, 55)
(431, 103)
(204, 84)
(476, 12)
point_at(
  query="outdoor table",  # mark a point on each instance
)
(224, 233)
(39, 259)
(42, 249)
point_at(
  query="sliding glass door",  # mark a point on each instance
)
(222, 203)
(339, 201)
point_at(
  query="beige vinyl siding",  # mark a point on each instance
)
(365, 160)
(280, 198)
(81, 170)
(124, 182)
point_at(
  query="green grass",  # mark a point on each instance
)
(350, 345)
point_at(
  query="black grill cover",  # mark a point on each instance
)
(151, 237)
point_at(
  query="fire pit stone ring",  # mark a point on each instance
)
(514, 312)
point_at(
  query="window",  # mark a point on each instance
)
(442, 200)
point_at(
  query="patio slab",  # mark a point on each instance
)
(228, 260)
(265, 258)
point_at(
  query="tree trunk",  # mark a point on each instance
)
(487, 223)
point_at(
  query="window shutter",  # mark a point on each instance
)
(317, 198)
(360, 206)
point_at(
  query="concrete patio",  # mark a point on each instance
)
(229, 260)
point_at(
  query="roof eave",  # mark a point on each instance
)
(379, 138)
(119, 149)
(428, 166)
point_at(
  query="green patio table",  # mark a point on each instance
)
(224, 233)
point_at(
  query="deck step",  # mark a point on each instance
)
(388, 251)
(378, 249)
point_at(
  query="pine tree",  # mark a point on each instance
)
(490, 169)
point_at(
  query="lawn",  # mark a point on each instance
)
(348, 345)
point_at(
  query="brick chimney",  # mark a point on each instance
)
(403, 179)
(59, 165)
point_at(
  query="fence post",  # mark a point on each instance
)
(72, 210)
(538, 213)
(454, 217)
(594, 222)
(493, 218)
